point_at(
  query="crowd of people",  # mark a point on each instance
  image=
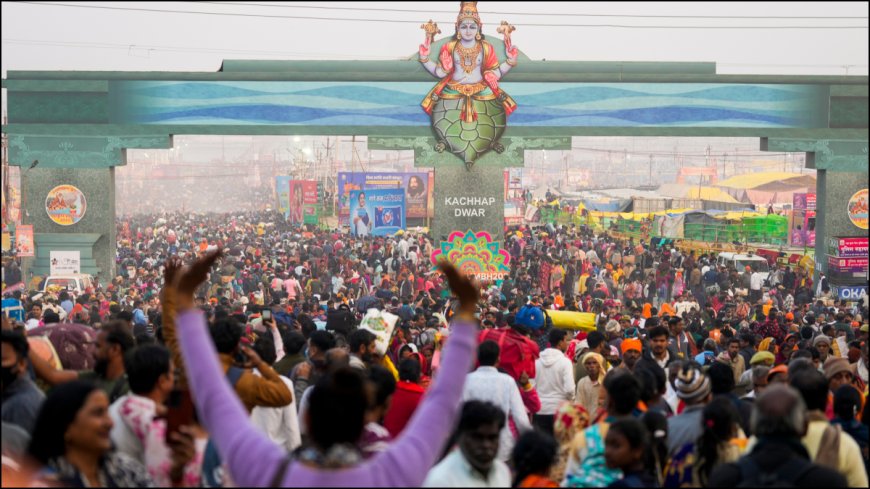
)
(228, 350)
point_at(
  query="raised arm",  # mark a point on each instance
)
(268, 390)
(416, 450)
(251, 456)
(48, 373)
(246, 450)
(431, 66)
(167, 301)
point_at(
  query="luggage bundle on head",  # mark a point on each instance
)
(572, 320)
(517, 353)
(531, 317)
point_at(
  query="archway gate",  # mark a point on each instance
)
(79, 124)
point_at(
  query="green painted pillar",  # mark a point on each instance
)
(834, 189)
(93, 235)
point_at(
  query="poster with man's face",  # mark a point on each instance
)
(416, 185)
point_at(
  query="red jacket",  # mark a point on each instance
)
(405, 402)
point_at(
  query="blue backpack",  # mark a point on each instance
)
(530, 317)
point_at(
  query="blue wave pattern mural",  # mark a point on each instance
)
(398, 104)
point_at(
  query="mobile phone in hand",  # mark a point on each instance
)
(180, 411)
(266, 315)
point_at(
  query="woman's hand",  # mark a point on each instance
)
(464, 289)
(183, 450)
(184, 281)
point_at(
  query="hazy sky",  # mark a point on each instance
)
(55, 37)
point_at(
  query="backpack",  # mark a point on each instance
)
(517, 353)
(786, 475)
(340, 321)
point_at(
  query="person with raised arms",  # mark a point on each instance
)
(338, 405)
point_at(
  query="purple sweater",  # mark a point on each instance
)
(253, 459)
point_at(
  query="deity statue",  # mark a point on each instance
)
(468, 109)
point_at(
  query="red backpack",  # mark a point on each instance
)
(517, 353)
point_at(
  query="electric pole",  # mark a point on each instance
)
(650, 169)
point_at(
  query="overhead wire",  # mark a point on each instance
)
(400, 21)
(546, 14)
(131, 46)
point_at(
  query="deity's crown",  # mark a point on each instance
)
(468, 10)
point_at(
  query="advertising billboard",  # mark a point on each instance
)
(417, 186)
(377, 212)
(282, 193)
(303, 201)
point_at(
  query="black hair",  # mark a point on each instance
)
(384, 384)
(478, 413)
(118, 334)
(123, 315)
(294, 342)
(657, 332)
(719, 418)
(487, 353)
(813, 387)
(226, 334)
(721, 378)
(337, 407)
(594, 339)
(50, 317)
(534, 453)
(143, 339)
(265, 347)
(656, 456)
(58, 412)
(144, 366)
(556, 336)
(674, 320)
(847, 402)
(799, 365)
(323, 340)
(360, 337)
(623, 389)
(649, 383)
(634, 431)
(17, 341)
(409, 370)
(800, 354)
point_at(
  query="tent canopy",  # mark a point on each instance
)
(689, 191)
(770, 181)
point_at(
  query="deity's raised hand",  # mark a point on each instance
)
(510, 49)
(424, 48)
(446, 61)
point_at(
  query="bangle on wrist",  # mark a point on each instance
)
(424, 59)
(511, 63)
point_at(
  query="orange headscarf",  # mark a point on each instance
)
(647, 311)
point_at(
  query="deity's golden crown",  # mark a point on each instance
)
(468, 10)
